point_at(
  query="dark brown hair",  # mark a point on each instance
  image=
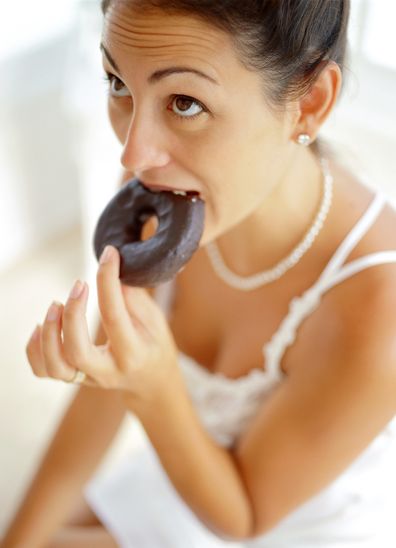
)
(287, 41)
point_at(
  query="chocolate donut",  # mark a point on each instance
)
(156, 260)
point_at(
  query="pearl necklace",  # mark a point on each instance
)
(262, 278)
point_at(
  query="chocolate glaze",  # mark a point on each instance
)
(158, 259)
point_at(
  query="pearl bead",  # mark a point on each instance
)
(260, 279)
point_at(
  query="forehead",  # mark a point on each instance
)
(158, 36)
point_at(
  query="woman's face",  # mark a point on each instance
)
(212, 133)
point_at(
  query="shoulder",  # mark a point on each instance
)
(361, 361)
(358, 312)
(355, 331)
(367, 294)
(333, 405)
(367, 298)
(368, 314)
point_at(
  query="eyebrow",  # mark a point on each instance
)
(159, 74)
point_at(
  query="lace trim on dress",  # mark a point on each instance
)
(302, 306)
(225, 405)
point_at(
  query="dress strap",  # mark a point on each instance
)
(353, 267)
(300, 307)
(353, 237)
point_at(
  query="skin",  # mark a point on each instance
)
(253, 195)
(243, 198)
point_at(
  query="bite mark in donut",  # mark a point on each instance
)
(154, 261)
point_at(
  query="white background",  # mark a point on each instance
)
(59, 164)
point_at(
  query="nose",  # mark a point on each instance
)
(143, 148)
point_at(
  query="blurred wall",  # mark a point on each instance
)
(39, 178)
(362, 126)
(57, 150)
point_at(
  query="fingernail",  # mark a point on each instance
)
(53, 312)
(106, 255)
(77, 290)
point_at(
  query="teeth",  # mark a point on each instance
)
(180, 192)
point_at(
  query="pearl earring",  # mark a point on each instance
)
(304, 139)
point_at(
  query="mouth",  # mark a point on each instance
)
(177, 192)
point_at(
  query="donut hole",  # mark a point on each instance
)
(149, 227)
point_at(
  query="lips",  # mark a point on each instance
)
(162, 188)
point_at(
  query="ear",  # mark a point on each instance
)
(317, 104)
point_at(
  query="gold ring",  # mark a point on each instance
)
(78, 377)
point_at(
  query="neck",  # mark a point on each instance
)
(278, 225)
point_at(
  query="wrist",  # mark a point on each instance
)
(156, 401)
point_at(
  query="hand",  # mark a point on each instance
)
(140, 356)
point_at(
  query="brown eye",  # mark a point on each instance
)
(187, 106)
(117, 88)
(117, 84)
(183, 103)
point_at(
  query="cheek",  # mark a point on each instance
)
(228, 155)
(240, 164)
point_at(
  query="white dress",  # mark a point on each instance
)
(140, 507)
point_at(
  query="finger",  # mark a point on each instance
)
(77, 346)
(85, 380)
(51, 344)
(90, 382)
(34, 355)
(117, 322)
(140, 304)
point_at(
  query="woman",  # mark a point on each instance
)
(227, 99)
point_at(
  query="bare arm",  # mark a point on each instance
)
(73, 454)
(305, 435)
